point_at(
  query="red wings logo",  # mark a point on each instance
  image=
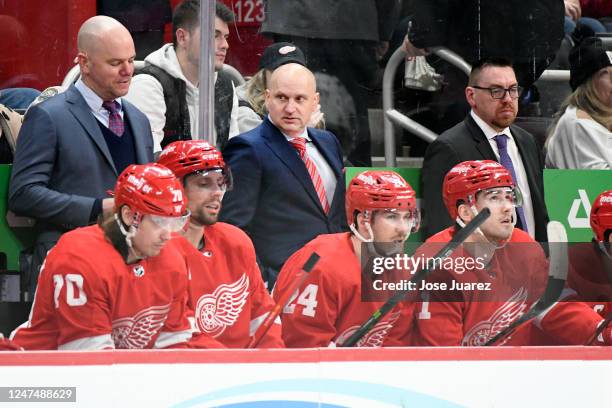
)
(216, 311)
(375, 337)
(136, 332)
(506, 314)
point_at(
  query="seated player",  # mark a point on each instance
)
(511, 268)
(328, 307)
(226, 292)
(117, 284)
(591, 273)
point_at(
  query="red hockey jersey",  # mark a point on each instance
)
(327, 308)
(588, 277)
(227, 297)
(517, 274)
(88, 298)
(587, 284)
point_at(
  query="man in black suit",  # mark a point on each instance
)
(487, 133)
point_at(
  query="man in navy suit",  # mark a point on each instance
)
(73, 146)
(288, 179)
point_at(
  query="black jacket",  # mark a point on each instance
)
(466, 141)
(516, 29)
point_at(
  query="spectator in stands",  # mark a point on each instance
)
(596, 14)
(18, 98)
(574, 16)
(119, 284)
(343, 40)
(72, 147)
(582, 133)
(527, 33)
(251, 95)
(487, 133)
(166, 89)
(288, 183)
(10, 123)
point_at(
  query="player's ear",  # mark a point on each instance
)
(465, 213)
(126, 215)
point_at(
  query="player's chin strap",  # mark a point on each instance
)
(130, 232)
(371, 247)
(478, 231)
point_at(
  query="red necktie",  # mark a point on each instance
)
(299, 144)
(115, 121)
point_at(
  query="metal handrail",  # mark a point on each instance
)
(392, 116)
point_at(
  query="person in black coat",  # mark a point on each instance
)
(492, 94)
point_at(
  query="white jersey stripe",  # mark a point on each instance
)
(103, 341)
(167, 339)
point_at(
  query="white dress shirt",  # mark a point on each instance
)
(324, 169)
(517, 162)
(95, 103)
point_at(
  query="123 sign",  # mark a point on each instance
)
(248, 12)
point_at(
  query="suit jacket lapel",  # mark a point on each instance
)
(482, 144)
(80, 110)
(327, 154)
(138, 130)
(530, 171)
(288, 155)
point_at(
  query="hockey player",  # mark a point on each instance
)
(226, 292)
(327, 307)
(591, 274)
(512, 272)
(117, 284)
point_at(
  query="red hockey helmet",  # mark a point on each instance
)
(188, 156)
(601, 215)
(467, 178)
(380, 190)
(150, 189)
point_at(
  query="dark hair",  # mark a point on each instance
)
(483, 63)
(187, 16)
(224, 13)
(113, 233)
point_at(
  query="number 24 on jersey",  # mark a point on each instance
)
(308, 299)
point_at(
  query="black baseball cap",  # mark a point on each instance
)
(281, 53)
(586, 58)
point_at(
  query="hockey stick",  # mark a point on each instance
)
(282, 302)
(421, 274)
(557, 273)
(602, 326)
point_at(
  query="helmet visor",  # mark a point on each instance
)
(499, 197)
(172, 224)
(223, 183)
(414, 218)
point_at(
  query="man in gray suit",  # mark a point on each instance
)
(72, 147)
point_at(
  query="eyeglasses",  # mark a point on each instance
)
(500, 93)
